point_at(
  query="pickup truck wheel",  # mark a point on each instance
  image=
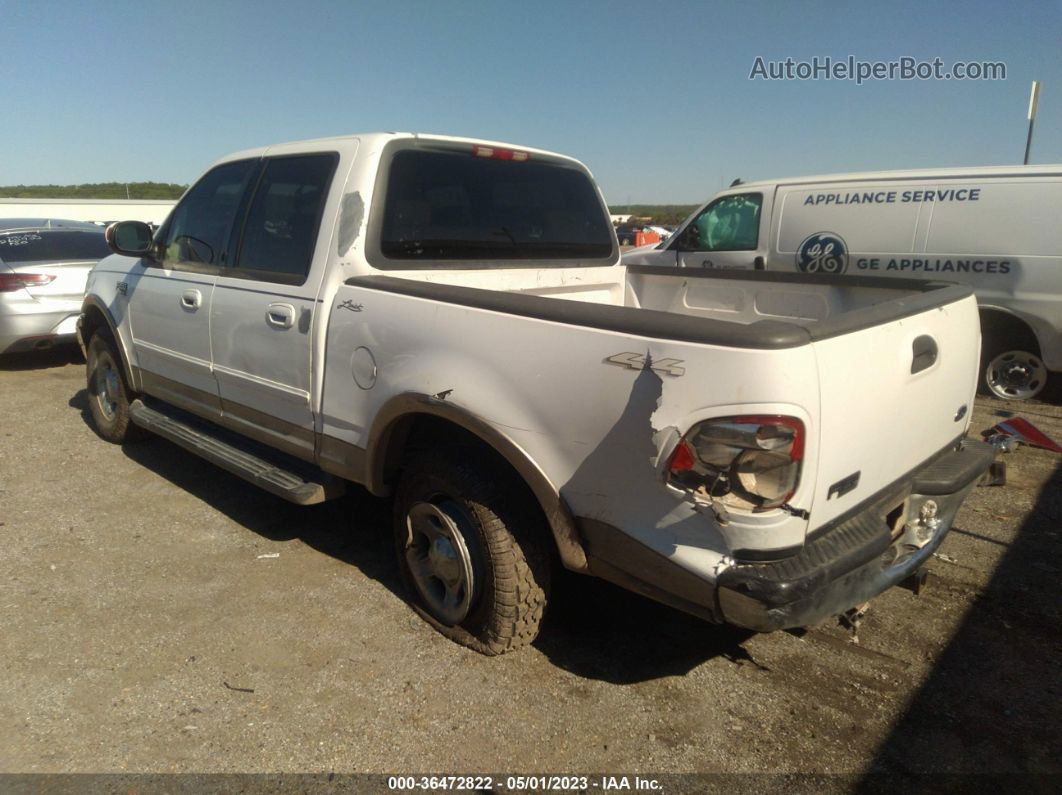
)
(108, 393)
(470, 550)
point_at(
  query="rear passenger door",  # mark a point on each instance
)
(264, 305)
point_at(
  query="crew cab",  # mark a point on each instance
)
(448, 321)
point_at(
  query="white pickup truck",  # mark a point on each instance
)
(448, 321)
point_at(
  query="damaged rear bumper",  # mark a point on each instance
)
(858, 558)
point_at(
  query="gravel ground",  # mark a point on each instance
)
(141, 629)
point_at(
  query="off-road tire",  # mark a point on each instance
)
(114, 425)
(506, 533)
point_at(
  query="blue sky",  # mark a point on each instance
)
(653, 97)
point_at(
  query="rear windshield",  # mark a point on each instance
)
(52, 246)
(452, 205)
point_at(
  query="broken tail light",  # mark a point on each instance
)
(749, 462)
(9, 282)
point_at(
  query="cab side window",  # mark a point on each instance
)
(196, 234)
(283, 219)
(730, 224)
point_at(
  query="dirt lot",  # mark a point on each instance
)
(141, 630)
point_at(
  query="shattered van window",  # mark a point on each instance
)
(730, 224)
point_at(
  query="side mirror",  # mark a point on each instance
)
(131, 239)
(689, 240)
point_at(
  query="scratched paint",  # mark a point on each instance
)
(351, 213)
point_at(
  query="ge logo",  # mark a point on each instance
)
(823, 252)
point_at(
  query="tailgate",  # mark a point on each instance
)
(878, 419)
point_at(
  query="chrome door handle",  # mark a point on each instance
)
(191, 299)
(280, 315)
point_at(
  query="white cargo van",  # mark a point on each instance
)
(997, 229)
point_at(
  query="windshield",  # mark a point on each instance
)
(54, 245)
(452, 205)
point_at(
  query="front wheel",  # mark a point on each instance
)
(470, 545)
(109, 395)
(1014, 375)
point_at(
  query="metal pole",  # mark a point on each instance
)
(1034, 99)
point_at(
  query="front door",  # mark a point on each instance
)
(169, 301)
(724, 235)
(264, 305)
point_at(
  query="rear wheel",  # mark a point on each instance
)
(471, 549)
(109, 395)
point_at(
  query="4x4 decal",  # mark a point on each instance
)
(639, 361)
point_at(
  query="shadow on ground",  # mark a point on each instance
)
(59, 356)
(597, 630)
(594, 629)
(80, 402)
(991, 703)
(353, 529)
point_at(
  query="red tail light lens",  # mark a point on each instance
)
(683, 459)
(9, 282)
(749, 462)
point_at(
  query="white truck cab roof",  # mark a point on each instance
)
(376, 140)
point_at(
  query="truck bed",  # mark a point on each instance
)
(883, 369)
(743, 309)
(824, 304)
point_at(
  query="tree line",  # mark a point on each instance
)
(95, 190)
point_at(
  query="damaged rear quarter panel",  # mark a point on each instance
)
(599, 432)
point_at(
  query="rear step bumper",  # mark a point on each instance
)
(859, 558)
(293, 480)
